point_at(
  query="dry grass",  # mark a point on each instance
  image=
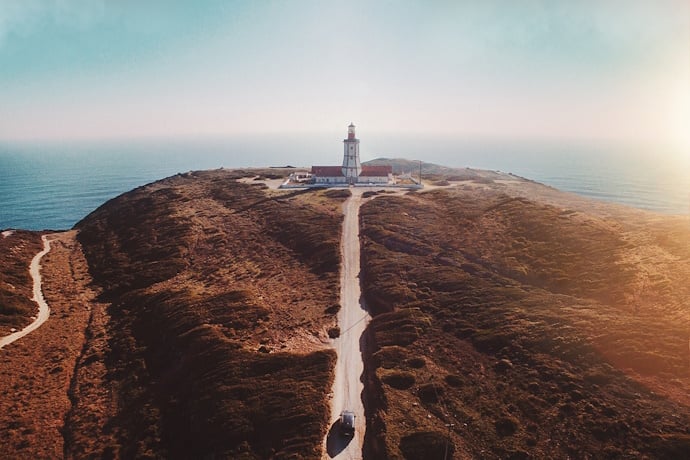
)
(36, 371)
(536, 325)
(534, 329)
(16, 306)
(223, 296)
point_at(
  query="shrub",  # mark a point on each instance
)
(453, 380)
(506, 426)
(426, 445)
(337, 193)
(333, 309)
(430, 393)
(390, 356)
(502, 366)
(400, 380)
(670, 446)
(490, 342)
(416, 363)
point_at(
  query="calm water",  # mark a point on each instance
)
(54, 186)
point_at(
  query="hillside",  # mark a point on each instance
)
(221, 296)
(190, 318)
(432, 172)
(16, 307)
(510, 320)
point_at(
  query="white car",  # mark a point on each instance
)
(347, 423)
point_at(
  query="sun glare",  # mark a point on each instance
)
(682, 127)
(678, 123)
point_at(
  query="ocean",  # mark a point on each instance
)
(53, 186)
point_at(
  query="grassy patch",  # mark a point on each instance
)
(208, 279)
(398, 379)
(429, 445)
(531, 321)
(16, 286)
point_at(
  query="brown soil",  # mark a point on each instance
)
(534, 323)
(518, 320)
(216, 341)
(16, 306)
(199, 327)
(36, 371)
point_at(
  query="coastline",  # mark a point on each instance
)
(50, 188)
(590, 273)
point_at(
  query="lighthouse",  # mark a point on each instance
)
(352, 172)
(351, 165)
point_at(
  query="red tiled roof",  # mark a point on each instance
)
(337, 171)
(327, 171)
(378, 171)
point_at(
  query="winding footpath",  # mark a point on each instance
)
(352, 319)
(43, 309)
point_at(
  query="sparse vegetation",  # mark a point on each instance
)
(544, 333)
(218, 290)
(504, 326)
(426, 445)
(16, 306)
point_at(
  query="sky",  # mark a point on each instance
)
(512, 69)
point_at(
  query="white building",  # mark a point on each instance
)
(352, 172)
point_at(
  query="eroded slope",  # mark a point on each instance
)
(221, 296)
(36, 370)
(520, 329)
(16, 306)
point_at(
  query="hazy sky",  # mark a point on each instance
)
(513, 68)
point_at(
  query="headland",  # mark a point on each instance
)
(193, 316)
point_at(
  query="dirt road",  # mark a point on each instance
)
(352, 319)
(43, 310)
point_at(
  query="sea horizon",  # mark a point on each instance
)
(53, 185)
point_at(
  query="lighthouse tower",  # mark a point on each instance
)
(351, 166)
